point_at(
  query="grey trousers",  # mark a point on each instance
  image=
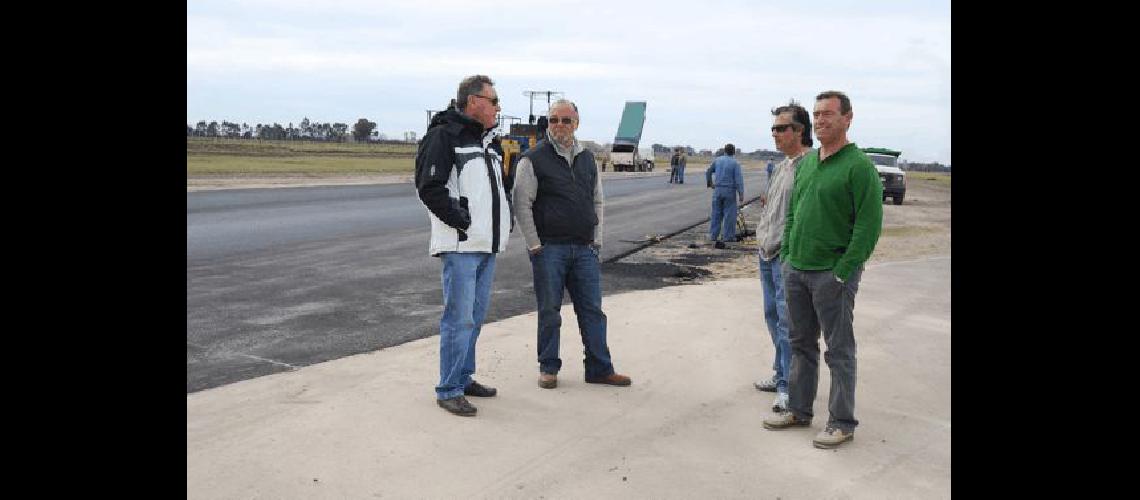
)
(817, 301)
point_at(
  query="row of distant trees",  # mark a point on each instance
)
(925, 167)
(306, 130)
(362, 131)
(660, 150)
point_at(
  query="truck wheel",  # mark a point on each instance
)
(898, 199)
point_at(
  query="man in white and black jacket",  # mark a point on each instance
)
(459, 179)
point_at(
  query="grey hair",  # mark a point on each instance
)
(561, 102)
(470, 86)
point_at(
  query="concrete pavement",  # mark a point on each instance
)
(367, 426)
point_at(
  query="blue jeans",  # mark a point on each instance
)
(723, 216)
(467, 281)
(776, 314)
(577, 269)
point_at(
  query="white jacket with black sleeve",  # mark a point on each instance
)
(459, 179)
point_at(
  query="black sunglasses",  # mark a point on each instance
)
(494, 100)
(781, 128)
(565, 120)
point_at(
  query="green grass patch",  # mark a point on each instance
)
(930, 178)
(217, 156)
(254, 147)
(213, 156)
(203, 164)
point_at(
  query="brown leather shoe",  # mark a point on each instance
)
(548, 381)
(612, 379)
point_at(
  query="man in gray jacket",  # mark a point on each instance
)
(791, 131)
(558, 205)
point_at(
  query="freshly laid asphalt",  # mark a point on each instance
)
(278, 279)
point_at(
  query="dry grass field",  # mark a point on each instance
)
(209, 157)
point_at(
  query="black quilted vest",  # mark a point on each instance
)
(564, 205)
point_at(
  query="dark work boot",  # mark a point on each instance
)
(479, 390)
(458, 406)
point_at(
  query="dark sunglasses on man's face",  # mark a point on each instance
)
(781, 128)
(494, 100)
(565, 120)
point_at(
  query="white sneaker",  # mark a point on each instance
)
(832, 437)
(784, 420)
(780, 404)
(768, 385)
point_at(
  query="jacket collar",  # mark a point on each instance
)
(456, 122)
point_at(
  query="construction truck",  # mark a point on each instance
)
(625, 155)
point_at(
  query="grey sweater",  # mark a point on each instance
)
(770, 229)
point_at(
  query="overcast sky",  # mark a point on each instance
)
(710, 71)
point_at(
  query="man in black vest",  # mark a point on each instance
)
(558, 205)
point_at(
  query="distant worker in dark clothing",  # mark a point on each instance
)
(724, 176)
(543, 124)
(677, 164)
(673, 168)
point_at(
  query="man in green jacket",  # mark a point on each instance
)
(834, 219)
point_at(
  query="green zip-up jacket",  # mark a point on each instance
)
(835, 215)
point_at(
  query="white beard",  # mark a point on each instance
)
(566, 142)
